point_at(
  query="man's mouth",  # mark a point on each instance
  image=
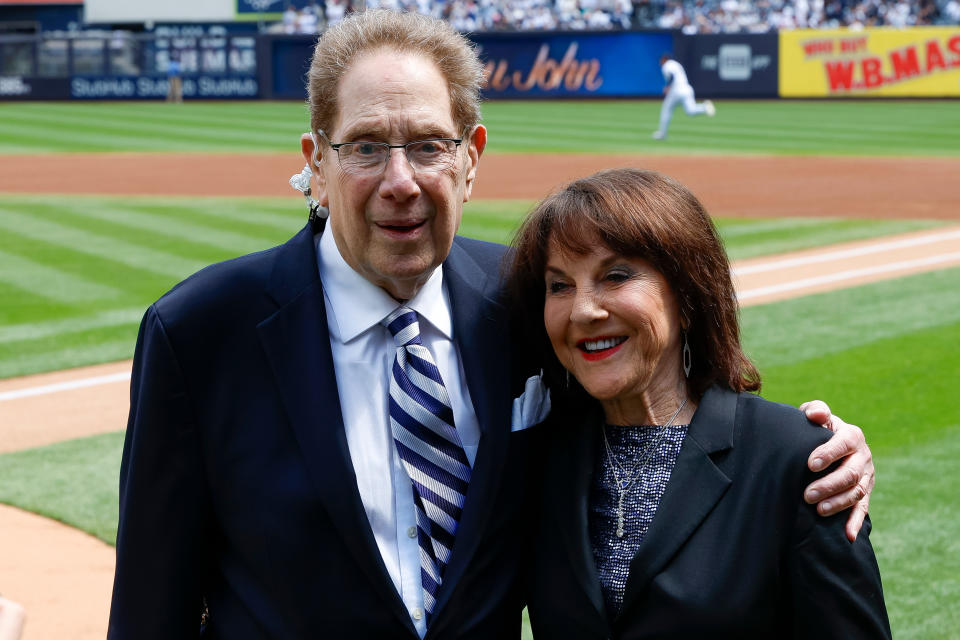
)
(401, 226)
(598, 348)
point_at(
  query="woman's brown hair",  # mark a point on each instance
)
(638, 213)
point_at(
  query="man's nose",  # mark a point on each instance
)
(399, 177)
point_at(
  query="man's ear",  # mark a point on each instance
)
(312, 153)
(475, 147)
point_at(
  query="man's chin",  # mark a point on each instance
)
(404, 275)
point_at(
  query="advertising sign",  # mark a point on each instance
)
(917, 62)
(177, 11)
(579, 65)
(26, 88)
(725, 65)
(263, 9)
(125, 87)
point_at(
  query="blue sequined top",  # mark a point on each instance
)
(612, 554)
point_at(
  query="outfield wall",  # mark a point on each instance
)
(917, 62)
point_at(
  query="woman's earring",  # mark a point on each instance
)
(687, 359)
(568, 378)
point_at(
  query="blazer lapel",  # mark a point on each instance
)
(481, 330)
(297, 345)
(695, 486)
(570, 472)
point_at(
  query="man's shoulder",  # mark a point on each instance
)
(488, 257)
(231, 286)
(481, 249)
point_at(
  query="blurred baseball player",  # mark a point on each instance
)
(678, 90)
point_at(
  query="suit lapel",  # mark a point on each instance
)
(695, 487)
(481, 331)
(568, 479)
(297, 345)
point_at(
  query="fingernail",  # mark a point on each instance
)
(817, 464)
(813, 495)
(826, 506)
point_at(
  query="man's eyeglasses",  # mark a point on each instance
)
(370, 158)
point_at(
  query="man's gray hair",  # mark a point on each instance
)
(368, 31)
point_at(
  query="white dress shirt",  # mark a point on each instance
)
(363, 354)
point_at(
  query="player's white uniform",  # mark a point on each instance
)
(680, 91)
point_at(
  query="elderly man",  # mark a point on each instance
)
(321, 440)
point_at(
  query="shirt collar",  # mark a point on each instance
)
(354, 304)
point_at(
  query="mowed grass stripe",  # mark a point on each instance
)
(74, 482)
(229, 241)
(136, 286)
(916, 407)
(497, 220)
(819, 325)
(49, 282)
(120, 137)
(66, 352)
(65, 326)
(759, 238)
(275, 219)
(181, 246)
(166, 116)
(102, 247)
(215, 115)
(917, 541)
(167, 129)
(893, 128)
(752, 127)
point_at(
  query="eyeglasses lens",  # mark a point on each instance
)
(371, 157)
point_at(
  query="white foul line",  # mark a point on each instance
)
(64, 386)
(846, 253)
(847, 275)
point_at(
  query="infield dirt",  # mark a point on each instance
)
(63, 576)
(727, 185)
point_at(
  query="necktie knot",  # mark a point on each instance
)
(403, 326)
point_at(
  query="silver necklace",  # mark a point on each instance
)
(626, 480)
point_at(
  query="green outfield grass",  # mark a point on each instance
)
(891, 372)
(868, 127)
(76, 274)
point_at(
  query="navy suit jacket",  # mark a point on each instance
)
(236, 485)
(732, 552)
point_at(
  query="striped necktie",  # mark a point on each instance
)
(427, 441)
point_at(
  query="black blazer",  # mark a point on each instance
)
(236, 483)
(733, 551)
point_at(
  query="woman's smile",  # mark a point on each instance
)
(600, 348)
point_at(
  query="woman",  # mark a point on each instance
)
(671, 500)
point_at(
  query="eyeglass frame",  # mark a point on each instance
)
(336, 147)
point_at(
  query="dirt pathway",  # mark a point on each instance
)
(727, 185)
(62, 576)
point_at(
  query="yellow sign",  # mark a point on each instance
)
(916, 62)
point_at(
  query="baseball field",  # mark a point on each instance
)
(843, 219)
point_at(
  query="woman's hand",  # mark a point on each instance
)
(850, 484)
